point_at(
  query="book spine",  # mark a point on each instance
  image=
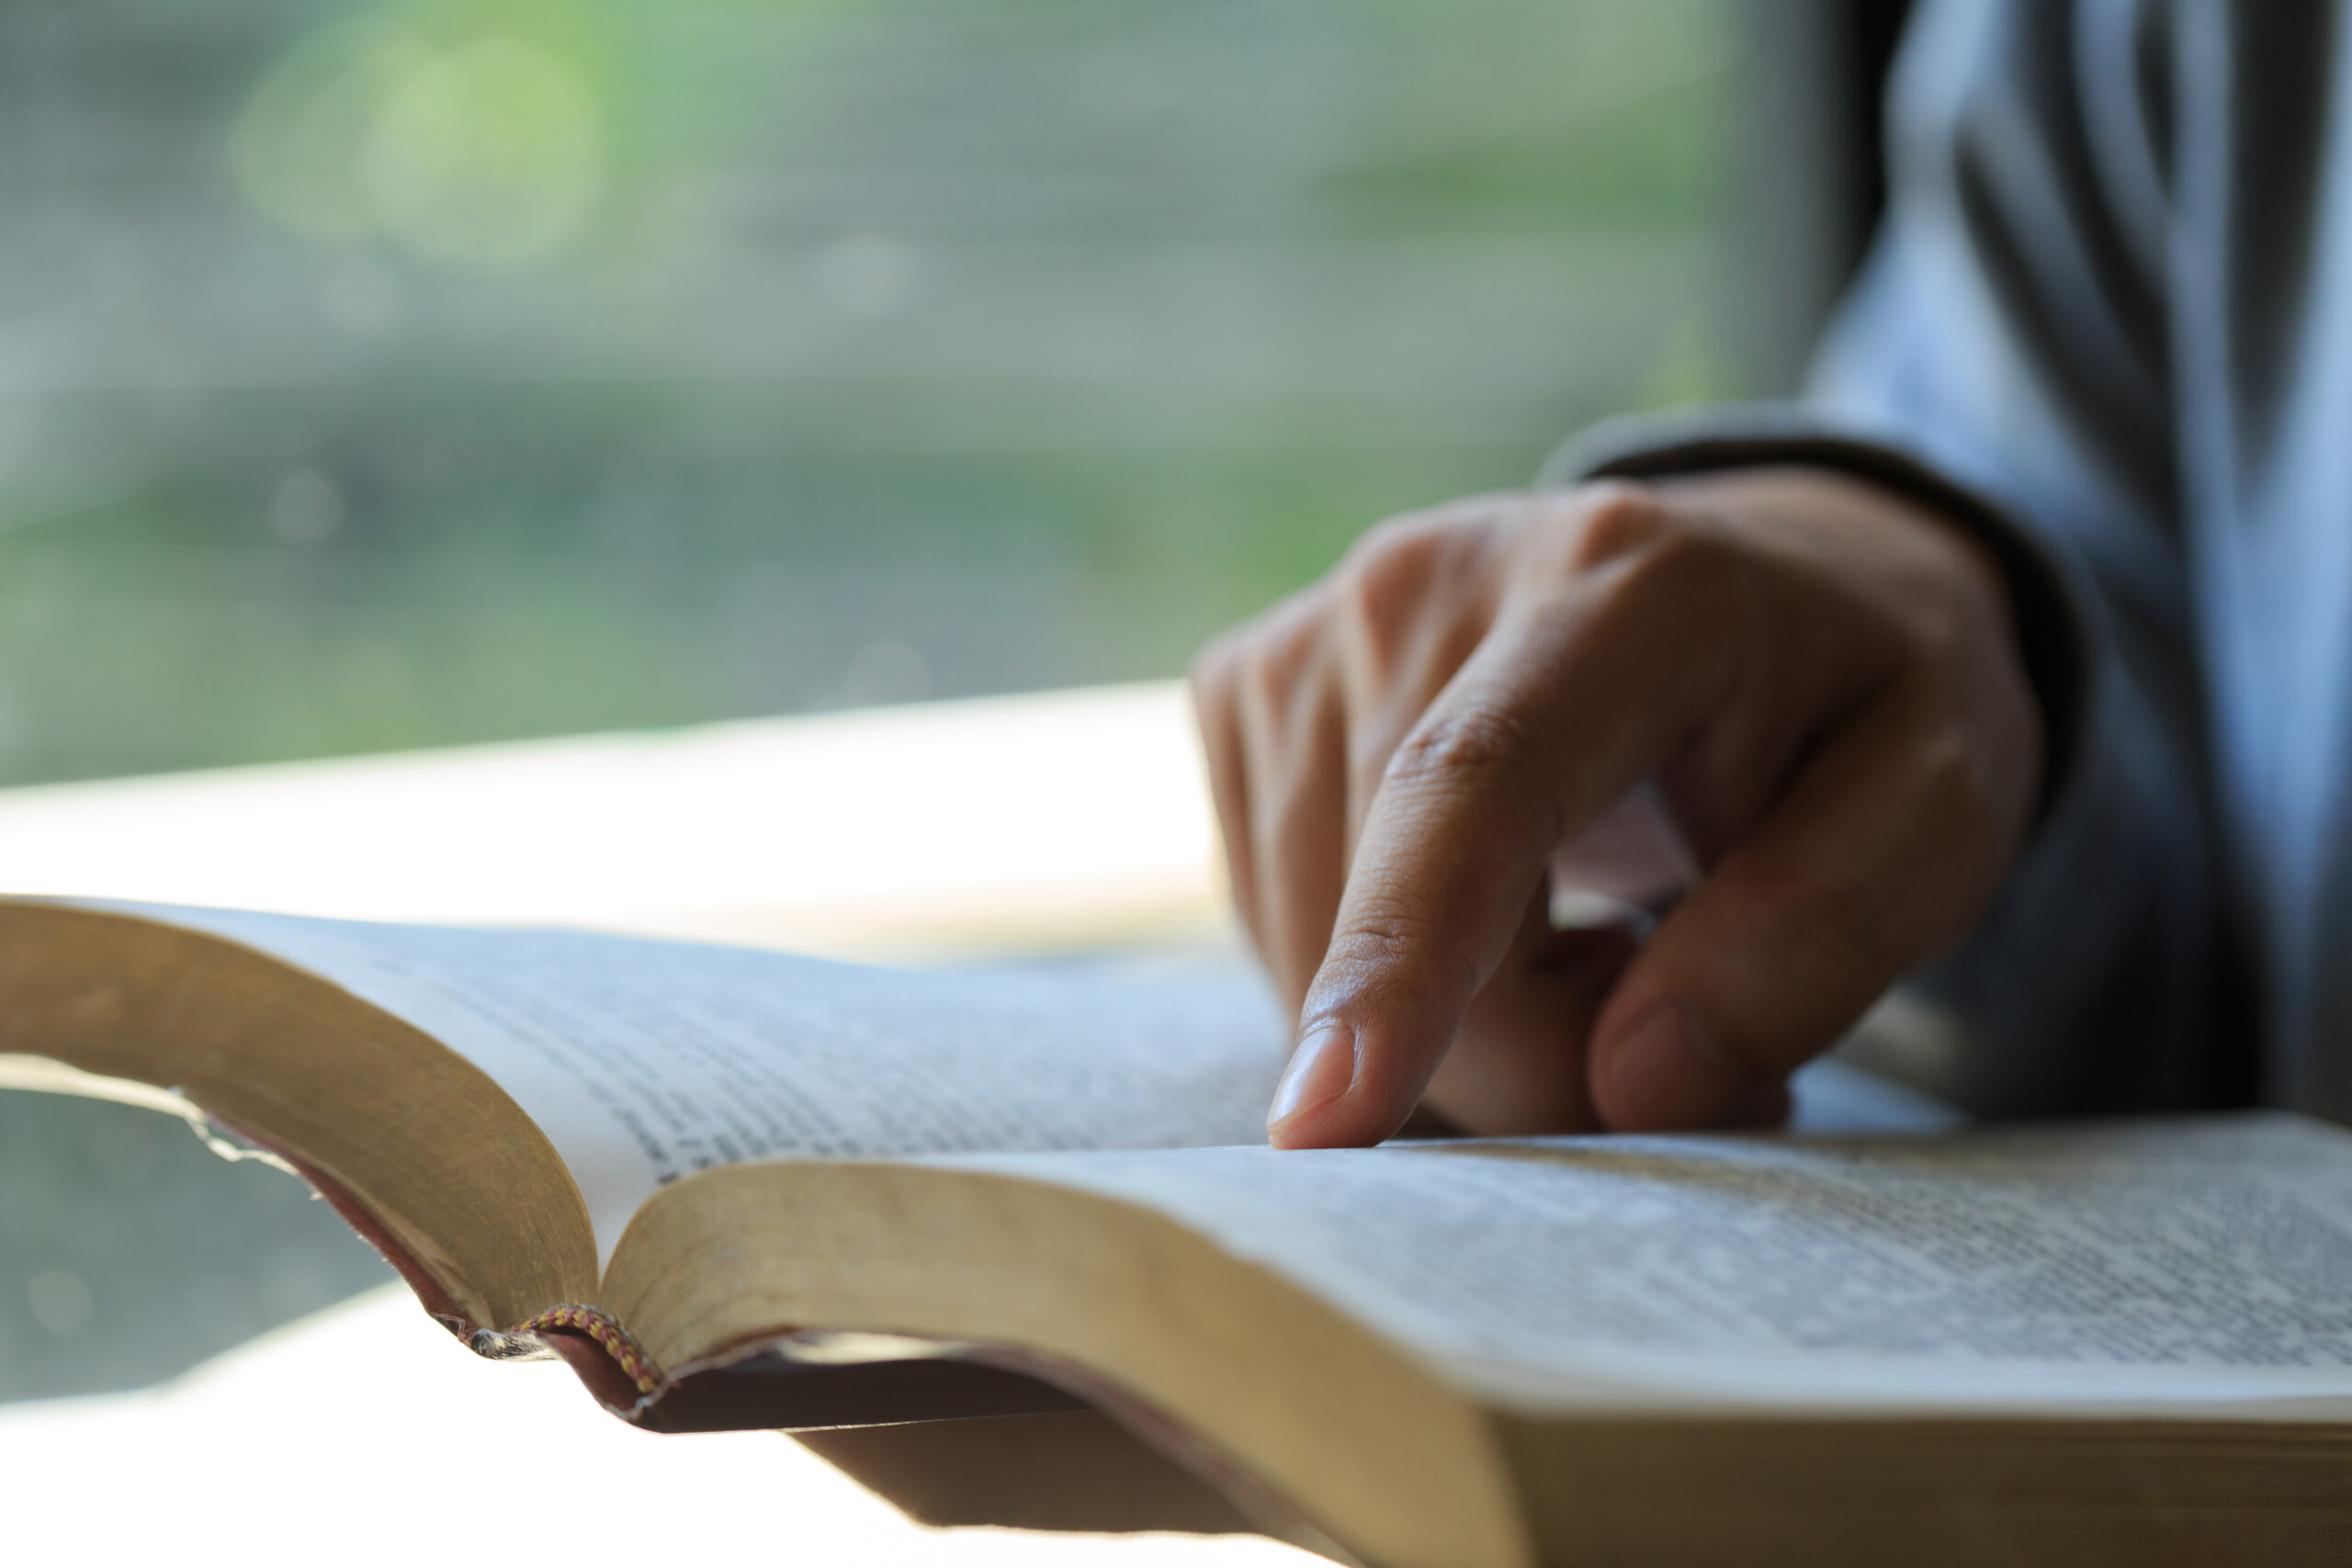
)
(598, 1349)
(572, 1322)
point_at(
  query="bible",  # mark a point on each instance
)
(1007, 1245)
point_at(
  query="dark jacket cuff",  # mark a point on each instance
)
(2051, 611)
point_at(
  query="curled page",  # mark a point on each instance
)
(646, 1061)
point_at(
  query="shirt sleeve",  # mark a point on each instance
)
(2002, 360)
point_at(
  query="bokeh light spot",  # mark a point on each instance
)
(488, 153)
(297, 148)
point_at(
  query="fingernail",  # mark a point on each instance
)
(1666, 1073)
(1320, 1071)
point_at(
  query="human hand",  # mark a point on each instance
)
(1822, 677)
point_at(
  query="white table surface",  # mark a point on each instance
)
(1005, 824)
(366, 1435)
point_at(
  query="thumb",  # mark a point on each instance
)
(1880, 856)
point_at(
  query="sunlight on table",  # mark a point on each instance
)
(1076, 818)
(366, 1435)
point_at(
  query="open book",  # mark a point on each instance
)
(1008, 1246)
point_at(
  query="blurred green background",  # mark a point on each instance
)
(376, 376)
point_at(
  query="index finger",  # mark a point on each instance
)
(1555, 717)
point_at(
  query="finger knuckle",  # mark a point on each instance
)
(1286, 663)
(1275, 634)
(1399, 565)
(1394, 543)
(1943, 633)
(1678, 568)
(1963, 798)
(1617, 518)
(1385, 935)
(1411, 600)
(1210, 675)
(1950, 740)
(1977, 745)
(1690, 587)
(1953, 782)
(1480, 740)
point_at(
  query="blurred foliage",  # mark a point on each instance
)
(375, 375)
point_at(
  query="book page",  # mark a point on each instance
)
(646, 1061)
(2206, 1260)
